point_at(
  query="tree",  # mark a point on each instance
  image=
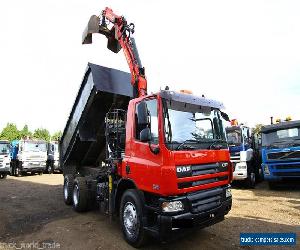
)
(10, 132)
(257, 128)
(41, 133)
(25, 132)
(56, 136)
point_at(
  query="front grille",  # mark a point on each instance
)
(208, 169)
(200, 170)
(284, 155)
(290, 166)
(201, 182)
(205, 200)
(235, 156)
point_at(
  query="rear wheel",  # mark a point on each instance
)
(80, 195)
(131, 216)
(68, 188)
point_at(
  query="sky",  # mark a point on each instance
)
(245, 54)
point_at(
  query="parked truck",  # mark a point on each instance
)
(281, 152)
(158, 161)
(243, 154)
(28, 156)
(53, 163)
(4, 158)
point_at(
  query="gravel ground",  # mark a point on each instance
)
(32, 211)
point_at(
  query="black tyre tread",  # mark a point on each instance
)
(133, 196)
(83, 195)
(249, 184)
(70, 179)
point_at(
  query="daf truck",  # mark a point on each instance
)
(160, 162)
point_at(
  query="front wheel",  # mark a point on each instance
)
(131, 216)
(49, 169)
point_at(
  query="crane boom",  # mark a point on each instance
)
(119, 36)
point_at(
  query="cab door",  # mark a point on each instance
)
(145, 159)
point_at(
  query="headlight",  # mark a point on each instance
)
(228, 192)
(266, 170)
(6, 160)
(172, 206)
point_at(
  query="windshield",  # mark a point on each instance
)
(188, 126)
(234, 136)
(35, 146)
(4, 148)
(282, 136)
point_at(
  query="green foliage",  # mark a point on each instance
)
(56, 136)
(24, 133)
(42, 134)
(257, 128)
(10, 132)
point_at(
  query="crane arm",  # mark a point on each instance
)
(119, 36)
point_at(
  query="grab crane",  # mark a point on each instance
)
(119, 37)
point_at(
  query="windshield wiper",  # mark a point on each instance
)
(186, 141)
(217, 141)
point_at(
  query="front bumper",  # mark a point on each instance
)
(33, 166)
(240, 170)
(281, 171)
(168, 224)
(5, 169)
(203, 216)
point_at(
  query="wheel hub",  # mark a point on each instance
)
(130, 218)
(75, 195)
(66, 193)
(252, 176)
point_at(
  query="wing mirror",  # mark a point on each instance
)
(145, 135)
(142, 114)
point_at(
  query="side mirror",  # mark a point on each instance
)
(145, 135)
(225, 116)
(142, 113)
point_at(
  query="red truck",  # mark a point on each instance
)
(158, 161)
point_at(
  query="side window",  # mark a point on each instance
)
(152, 119)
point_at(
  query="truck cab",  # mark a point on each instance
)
(242, 154)
(4, 158)
(281, 152)
(52, 157)
(29, 156)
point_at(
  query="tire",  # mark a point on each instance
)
(49, 169)
(80, 195)
(251, 177)
(131, 217)
(3, 176)
(18, 173)
(68, 189)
